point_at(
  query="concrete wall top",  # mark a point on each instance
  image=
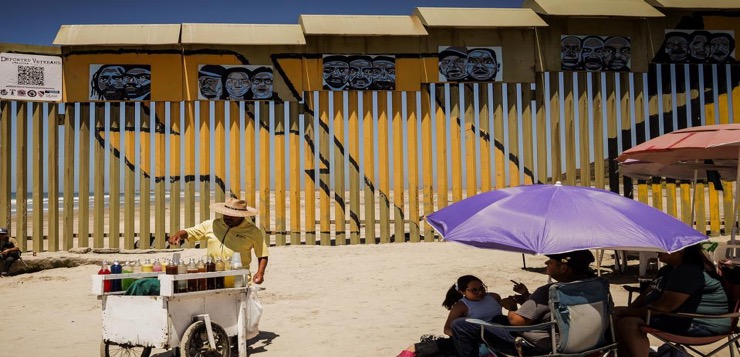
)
(366, 25)
(478, 17)
(113, 35)
(600, 8)
(242, 34)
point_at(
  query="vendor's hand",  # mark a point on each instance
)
(174, 240)
(509, 303)
(521, 289)
(258, 278)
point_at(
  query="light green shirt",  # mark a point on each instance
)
(223, 241)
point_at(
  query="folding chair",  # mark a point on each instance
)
(690, 342)
(580, 318)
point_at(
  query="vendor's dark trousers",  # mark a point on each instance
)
(8, 262)
(467, 339)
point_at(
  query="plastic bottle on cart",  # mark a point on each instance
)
(105, 271)
(202, 283)
(137, 266)
(236, 264)
(147, 267)
(220, 266)
(192, 268)
(228, 280)
(128, 268)
(116, 268)
(211, 268)
(157, 266)
(182, 285)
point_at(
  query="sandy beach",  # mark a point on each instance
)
(362, 300)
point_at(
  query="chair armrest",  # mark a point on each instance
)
(542, 326)
(631, 289)
(687, 315)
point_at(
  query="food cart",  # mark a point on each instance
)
(197, 323)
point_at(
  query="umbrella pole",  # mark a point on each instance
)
(734, 211)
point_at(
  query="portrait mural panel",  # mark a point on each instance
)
(359, 72)
(469, 64)
(235, 82)
(595, 53)
(697, 46)
(120, 82)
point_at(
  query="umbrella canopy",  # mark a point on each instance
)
(550, 219)
(715, 142)
(643, 170)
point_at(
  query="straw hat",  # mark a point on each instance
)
(234, 208)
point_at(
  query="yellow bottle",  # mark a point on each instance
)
(147, 266)
(228, 280)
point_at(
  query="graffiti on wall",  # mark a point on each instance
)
(595, 53)
(359, 72)
(469, 64)
(240, 82)
(697, 46)
(120, 82)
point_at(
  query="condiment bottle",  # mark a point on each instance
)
(220, 266)
(104, 271)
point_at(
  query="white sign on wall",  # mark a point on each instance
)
(30, 77)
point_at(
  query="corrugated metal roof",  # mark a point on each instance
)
(71, 35)
(242, 34)
(615, 8)
(696, 4)
(361, 25)
(478, 17)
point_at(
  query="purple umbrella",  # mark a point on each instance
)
(549, 219)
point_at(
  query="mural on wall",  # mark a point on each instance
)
(469, 64)
(595, 53)
(120, 82)
(359, 72)
(240, 82)
(697, 46)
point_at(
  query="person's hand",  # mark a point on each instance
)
(509, 303)
(520, 299)
(520, 288)
(258, 278)
(5, 252)
(174, 239)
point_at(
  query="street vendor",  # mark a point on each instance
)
(232, 233)
(9, 251)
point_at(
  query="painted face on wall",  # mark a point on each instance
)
(210, 87)
(336, 74)
(384, 74)
(719, 49)
(111, 83)
(138, 83)
(570, 52)
(677, 48)
(360, 73)
(593, 54)
(262, 85)
(481, 65)
(453, 66)
(237, 84)
(698, 48)
(617, 51)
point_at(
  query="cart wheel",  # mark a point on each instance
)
(111, 349)
(194, 342)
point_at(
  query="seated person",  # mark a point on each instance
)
(688, 283)
(9, 251)
(468, 298)
(564, 267)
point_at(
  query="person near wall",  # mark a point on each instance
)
(231, 234)
(10, 252)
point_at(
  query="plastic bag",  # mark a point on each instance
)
(254, 312)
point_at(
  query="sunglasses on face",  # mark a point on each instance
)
(481, 289)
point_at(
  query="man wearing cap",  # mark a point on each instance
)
(10, 251)
(231, 234)
(564, 268)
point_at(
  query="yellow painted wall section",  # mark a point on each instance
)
(167, 75)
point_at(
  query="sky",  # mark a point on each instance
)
(37, 22)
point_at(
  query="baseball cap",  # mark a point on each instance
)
(578, 260)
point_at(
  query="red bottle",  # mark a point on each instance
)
(105, 271)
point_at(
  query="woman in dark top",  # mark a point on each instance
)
(688, 283)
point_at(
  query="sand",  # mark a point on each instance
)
(362, 300)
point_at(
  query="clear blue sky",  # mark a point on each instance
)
(37, 22)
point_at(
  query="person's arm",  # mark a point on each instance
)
(458, 310)
(196, 232)
(668, 302)
(10, 250)
(178, 237)
(259, 277)
(531, 310)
